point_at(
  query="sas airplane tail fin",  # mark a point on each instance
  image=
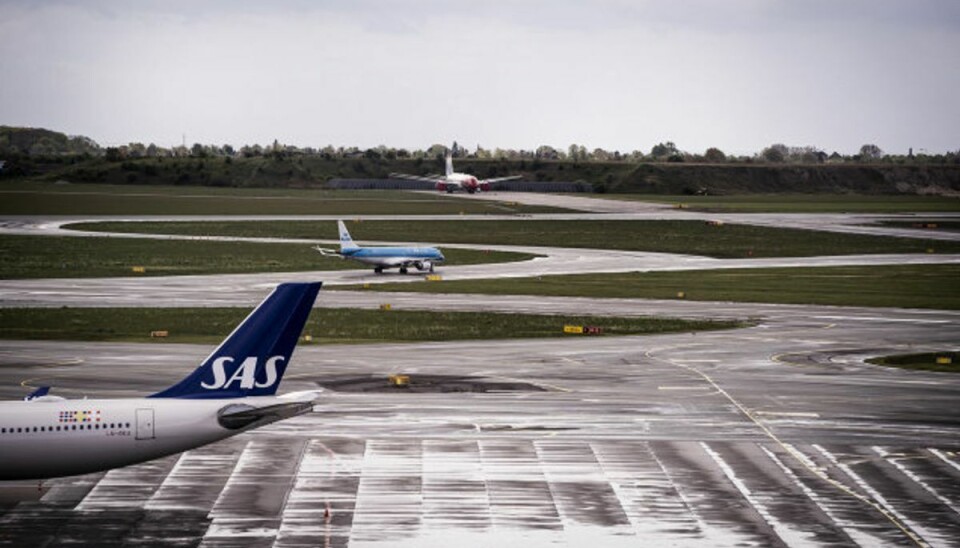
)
(449, 168)
(251, 360)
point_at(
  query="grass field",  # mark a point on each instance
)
(800, 203)
(922, 362)
(686, 237)
(210, 325)
(73, 257)
(23, 198)
(904, 286)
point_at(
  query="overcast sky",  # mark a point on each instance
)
(735, 74)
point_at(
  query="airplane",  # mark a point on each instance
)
(423, 258)
(452, 181)
(232, 391)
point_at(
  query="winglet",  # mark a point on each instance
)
(251, 360)
(38, 393)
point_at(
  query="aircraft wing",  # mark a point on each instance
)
(500, 179)
(413, 177)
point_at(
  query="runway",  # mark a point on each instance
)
(774, 435)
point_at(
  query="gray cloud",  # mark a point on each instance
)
(739, 74)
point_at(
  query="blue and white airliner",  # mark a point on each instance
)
(232, 391)
(423, 258)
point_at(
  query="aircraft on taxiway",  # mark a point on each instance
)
(231, 392)
(423, 258)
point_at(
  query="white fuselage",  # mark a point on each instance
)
(463, 181)
(45, 439)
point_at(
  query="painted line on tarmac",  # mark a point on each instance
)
(877, 505)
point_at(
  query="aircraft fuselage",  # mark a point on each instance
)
(60, 438)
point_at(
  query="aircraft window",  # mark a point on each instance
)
(96, 427)
(34, 428)
(19, 429)
(74, 427)
(58, 429)
(128, 425)
(43, 428)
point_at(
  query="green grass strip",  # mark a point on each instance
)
(799, 203)
(685, 237)
(902, 286)
(325, 326)
(944, 362)
(72, 257)
(50, 199)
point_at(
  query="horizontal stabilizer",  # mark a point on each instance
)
(240, 416)
(326, 252)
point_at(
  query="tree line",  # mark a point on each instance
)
(45, 143)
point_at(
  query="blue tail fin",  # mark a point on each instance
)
(252, 359)
(346, 242)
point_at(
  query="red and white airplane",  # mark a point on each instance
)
(453, 181)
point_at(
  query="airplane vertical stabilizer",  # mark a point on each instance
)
(346, 242)
(252, 359)
(449, 164)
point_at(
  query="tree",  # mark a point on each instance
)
(437, 151)
(601, 155)
(113, 154)
(870, 153)
(664, 150)
(715, 155)
(136, 150)
(776, 153)
(546, 152)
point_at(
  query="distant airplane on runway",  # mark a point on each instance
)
(452, 181)
(231, 392)
(423, 258)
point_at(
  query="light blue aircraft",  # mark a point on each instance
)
(422, 258)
